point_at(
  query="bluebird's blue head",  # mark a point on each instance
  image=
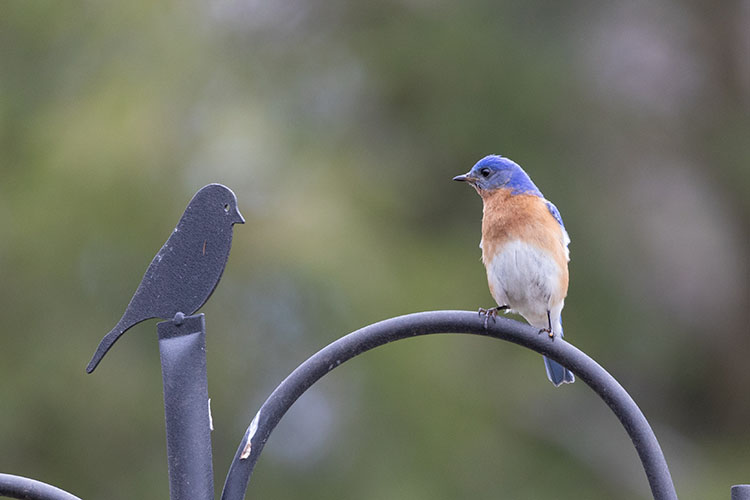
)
(495, 172)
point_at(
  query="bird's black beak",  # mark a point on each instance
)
(466, 178)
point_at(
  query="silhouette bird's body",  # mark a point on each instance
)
(524, 249)
(185, 272)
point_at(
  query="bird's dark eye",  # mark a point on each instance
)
(485, 172)
(226, 207)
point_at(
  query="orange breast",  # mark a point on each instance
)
(522, 217)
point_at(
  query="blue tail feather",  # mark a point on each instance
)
(557, 373)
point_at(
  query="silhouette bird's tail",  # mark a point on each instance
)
(557, 373)
(106, 343)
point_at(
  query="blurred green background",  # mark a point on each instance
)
(339, 126)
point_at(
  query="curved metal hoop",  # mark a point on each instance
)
(30, 489)
(412, 325)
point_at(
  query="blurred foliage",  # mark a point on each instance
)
(339, 125)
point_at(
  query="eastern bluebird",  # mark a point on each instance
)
(524, 249)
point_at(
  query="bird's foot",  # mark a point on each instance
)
(548, 331)
(491, 313)
(549, 327)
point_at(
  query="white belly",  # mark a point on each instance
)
(527, 279)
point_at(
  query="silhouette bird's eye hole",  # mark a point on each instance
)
(226, 207)
(485, 172)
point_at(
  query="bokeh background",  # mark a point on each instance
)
(339, 125)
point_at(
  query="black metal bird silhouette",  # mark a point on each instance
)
(185, 272)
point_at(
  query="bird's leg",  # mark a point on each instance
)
(492, 312)
(549, 327)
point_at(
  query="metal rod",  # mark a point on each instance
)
(30, 489)
(741, 492)
(182, 346)
(360, 341)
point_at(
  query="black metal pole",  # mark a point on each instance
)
(182, 346)
(345, 348)
(30, 489)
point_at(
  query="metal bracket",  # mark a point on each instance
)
(31, 489)
(426, 323)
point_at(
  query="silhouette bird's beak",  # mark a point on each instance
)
(239, 218)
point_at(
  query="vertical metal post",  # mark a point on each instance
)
(182, 346)
(741, 492)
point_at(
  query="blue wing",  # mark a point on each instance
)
(555, 213)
